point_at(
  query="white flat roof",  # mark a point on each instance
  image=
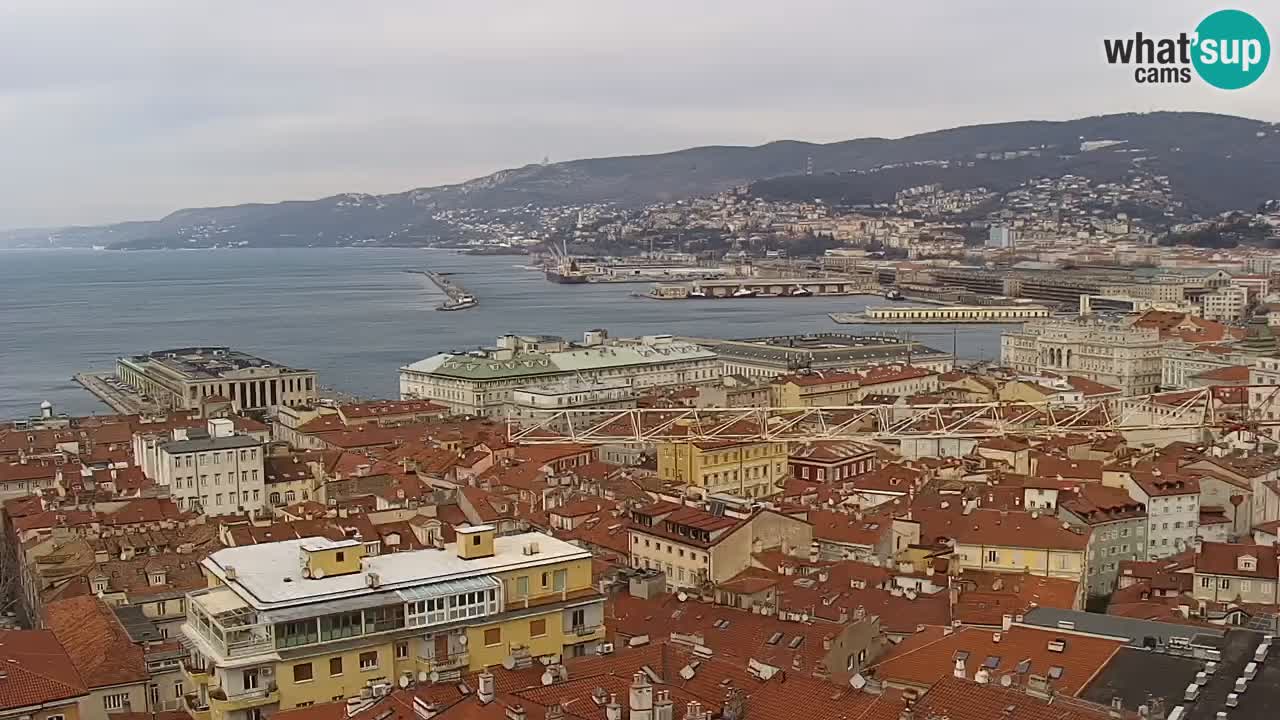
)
(473, 529)
(270, 575)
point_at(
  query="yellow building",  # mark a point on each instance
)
(288, 624)
(815, 389)
(1009, 541)
(746, 469)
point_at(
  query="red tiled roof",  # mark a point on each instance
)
(925, 659)
(957, 699)
(98, 646)
(999, 528)
(38, 670)
(1224, 559)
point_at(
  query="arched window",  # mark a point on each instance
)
(275, 498)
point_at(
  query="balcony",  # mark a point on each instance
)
(221, 703)
(454, 661)
(194, 674)
(220, 620)
(586, 631)
(195, 708)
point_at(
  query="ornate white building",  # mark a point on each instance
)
(1114, 354)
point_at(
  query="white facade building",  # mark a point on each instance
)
(1118, 355)
(1173, 512)
(220, 474)
(1226, 304)
(483, 382)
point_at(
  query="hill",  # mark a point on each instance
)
(1214, 162)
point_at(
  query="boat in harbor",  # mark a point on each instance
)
(567, 272)
(744, 292)
(799, 291)
(697, 293)
(461, 302)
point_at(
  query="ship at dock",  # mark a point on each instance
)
(459, 302)
(567, 272)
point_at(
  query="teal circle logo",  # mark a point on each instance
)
(1232, 49)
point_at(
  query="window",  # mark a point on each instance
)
(335, 666)
(1055, 672)
(546, 577)
(251, 679)
(493, 636)
(298, 632)
(339, 557)
(475, 540)
(342, 625)
(153, 691)
(178, 691)
(537, 628)
(561, 578)
(426, 612)
(993, 556)
(1246, 586)
(1224, 583)
(381, 619)
(402, 650)
(369, 660)
(115, 702)
(302, 672)
(522, 585)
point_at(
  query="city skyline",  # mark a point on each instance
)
(249, 106)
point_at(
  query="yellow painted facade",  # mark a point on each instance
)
(827, 394)
(1068, 564)
(749, 469)
(546, 607)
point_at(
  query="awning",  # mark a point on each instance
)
(449, 587)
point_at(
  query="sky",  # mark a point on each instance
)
(113, 110)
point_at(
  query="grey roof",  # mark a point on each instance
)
(176, 447)
(141, 629)
(1116, 626)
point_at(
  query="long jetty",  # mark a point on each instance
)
(458, 297)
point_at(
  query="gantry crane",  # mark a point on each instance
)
(1252, 409)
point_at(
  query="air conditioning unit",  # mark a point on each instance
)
(266, 671)
(604, 648)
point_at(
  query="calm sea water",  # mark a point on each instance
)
(352, 315)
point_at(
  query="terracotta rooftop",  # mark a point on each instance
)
(38, 670)
(929, 657)
(100, 649)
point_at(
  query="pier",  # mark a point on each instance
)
(118, 396)
(458, 297)
(765, 287)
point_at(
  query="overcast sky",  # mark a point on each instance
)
(113, 110)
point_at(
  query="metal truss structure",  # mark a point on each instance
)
(1253, 408)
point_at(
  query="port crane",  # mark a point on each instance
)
(1250, 409)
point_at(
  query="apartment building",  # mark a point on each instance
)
(1002, 541)
(300, 622)
(484, 382)
(1173, 507)
(1118, 531)
(1236, 573)
(1226, 304)
(182, 378)
(694, 547)
(747, 469)
(1115, 354)
(832, 460)
(218, 474)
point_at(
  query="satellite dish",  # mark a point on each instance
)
(462, 640)
(682, 596)
(509, 662)
(548, 678)
(404, 681)
(422, 676)
(318, 573)
(434, 676)
(1006, 680)
(857, 681)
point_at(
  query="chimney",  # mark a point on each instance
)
(555, 711)
(959, 670)
(516, 712)
(641, 697)
(662, 707)
(1006, 622)
(485, 692)
(613, 711)
(693, 711)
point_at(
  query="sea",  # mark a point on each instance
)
(353, 315)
